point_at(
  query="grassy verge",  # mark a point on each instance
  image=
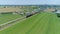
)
(8, 17)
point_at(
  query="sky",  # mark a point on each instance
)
(29, 2)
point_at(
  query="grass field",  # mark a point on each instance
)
(8, 17)
(42, 23)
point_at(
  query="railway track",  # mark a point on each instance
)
(10, 23)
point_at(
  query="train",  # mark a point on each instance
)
(30, 13)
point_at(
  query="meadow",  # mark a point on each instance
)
(41, 23)
(8, 17)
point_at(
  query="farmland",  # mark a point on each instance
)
(17, 8)
(41, 23)
(8, 17)
(13, 9)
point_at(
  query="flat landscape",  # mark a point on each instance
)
(40, 23)
(4, 18)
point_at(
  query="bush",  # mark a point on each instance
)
(6, 13)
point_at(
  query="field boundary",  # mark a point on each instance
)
(13, 22)
(10, 23)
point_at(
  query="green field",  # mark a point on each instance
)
(8, 17)
(41, 23)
